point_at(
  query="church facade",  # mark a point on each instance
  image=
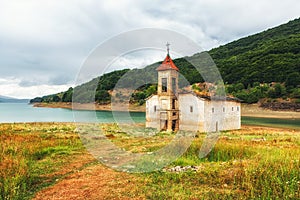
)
(171, 110)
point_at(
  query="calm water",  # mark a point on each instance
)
(271, 122)
(20, 112)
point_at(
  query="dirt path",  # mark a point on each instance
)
(91, 182)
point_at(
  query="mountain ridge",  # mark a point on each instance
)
(6, 99)
(270, 56)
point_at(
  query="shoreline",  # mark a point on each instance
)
(91, 106)
(248, 110)
(253, 110)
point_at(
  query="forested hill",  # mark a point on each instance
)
(269, 56)
(245, 64)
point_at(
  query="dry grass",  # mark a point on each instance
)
(31, 154)
(252, 163)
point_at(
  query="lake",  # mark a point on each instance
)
(272, 122)
(22, 112)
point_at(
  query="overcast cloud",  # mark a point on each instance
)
(44, 43)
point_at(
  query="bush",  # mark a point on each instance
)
(296, 93)
(102, 96)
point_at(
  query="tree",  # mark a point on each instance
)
(296, 93)
(36, 100)
(293, 79)
(56, 98)
(230, 89)
(280, 90)
(151, 90)
(239, 87)
(67, 96)
(102, 96)
(277, 91)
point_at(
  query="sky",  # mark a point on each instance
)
(43, 44)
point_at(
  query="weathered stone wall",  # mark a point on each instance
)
(222, 115)
(198, 114)
(152, 114)
(191, 112)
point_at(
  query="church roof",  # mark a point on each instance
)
(167, 64)
(211, 98)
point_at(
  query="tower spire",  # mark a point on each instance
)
(168, 49)
(168, 63)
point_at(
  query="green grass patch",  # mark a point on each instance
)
(52, 151)
(29, 153)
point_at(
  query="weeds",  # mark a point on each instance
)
(252, 163)
(237, 168)
(23, 147)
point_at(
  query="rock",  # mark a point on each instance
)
(259, 139)
(286, 106)
(181, 169)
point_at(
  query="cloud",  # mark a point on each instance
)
(13, 87)
(46, 43)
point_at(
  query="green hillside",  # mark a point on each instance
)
(248, 67)
(270, 56)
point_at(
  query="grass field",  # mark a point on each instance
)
(32, 155)
(251, 163)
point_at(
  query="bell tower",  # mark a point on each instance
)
(167, 92)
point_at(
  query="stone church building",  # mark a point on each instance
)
(172, 110)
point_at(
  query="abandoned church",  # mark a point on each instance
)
(173, 110)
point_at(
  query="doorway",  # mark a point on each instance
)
(163, 125)
(174, 125)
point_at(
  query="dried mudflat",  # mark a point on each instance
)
(253, 110)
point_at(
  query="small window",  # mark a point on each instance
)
(173, 103)
(213, 110)
(174, 85)
(191, 109)
(232, 108)
(164, 85)
(223, 109)
(154, 108)
(238, 108)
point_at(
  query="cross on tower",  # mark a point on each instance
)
(168, 49)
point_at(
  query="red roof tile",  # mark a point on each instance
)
(167, 64)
